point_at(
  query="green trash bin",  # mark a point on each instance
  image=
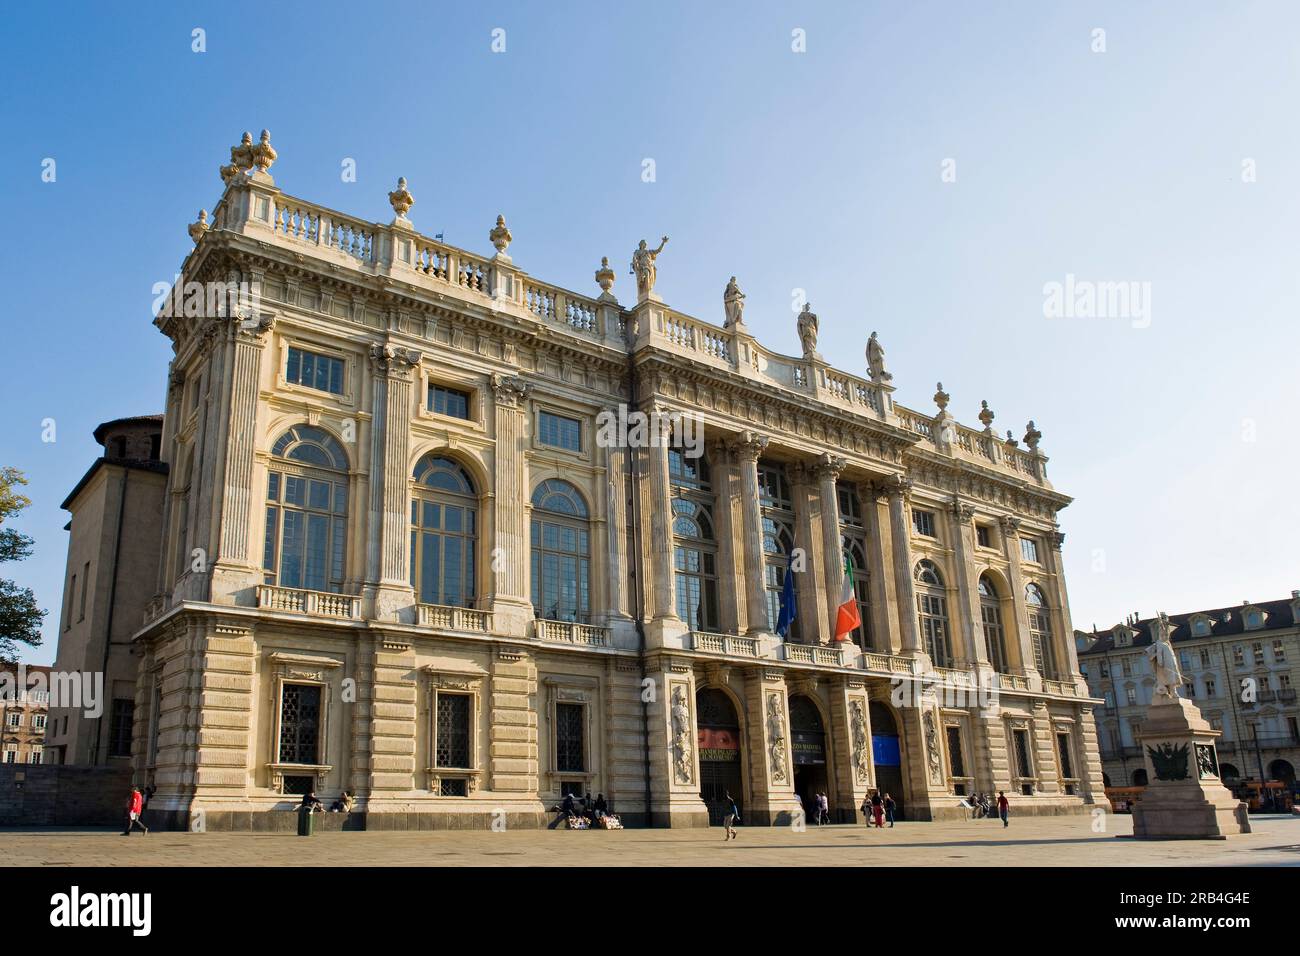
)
(306, 825)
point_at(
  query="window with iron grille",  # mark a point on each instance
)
(569, 750)
(453, 731)
(300, 724)
(1023, 767)
(119, 733)
(955, 759)
(1063, 746)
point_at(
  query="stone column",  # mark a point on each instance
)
(1062, 626)
(850, 738)
(513, 747)
(392, 723)
(236, 571)
(511, 606)
(886, 631)
(767, 742)
(732, 613)
(827, 472)
(747, 450)
(617, 606)
(810, 583)
(900, 525)
(1011, 546)
(971, 626)
(394, 596)
(672, 744)
(660, 541)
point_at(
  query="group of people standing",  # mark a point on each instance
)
(820, 812)
(878, 808)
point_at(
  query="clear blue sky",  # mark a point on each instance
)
(817, 170)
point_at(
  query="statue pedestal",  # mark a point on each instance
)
(1184, 798)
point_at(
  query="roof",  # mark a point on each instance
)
(1224, 622)
(131, 420)
(158, 467)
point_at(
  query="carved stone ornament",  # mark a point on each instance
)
(683, 753)
(1010, 524)
(510, 390)
(807, 326)
(197, 229)
(264, 153)
(1169, 761)
(962, 511)
(829, 466)
(941, 397)
(392, 360)
(1011, 440)
(401, 199)
(500, 236)
(986, 416)
(776, 737)
(241, 159)
(750, 446)
(733, 305)
(861, 742)
(1032, 436)
(933, 757)
(644, 268)
(254, 325)
(605, 276)
(876, 360)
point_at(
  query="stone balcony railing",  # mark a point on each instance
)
(812, 654)
(396, 251)
(888, 663)
(444, 617)
(1013, 682)
(571, 632)
(725, 644)
(1062, 688)
(317, 603)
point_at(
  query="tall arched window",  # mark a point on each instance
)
(694, 542)
(561, 553)
(991, 617)
(306, 511)
(444, 530)
(1040, 632)
(853, 543)
(932, 604)
(777, 506)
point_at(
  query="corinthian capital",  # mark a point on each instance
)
(510, 390)
(894, 486)
(253, 325)
(394, 362)
(750, 446)
(828, 466)
(1010, 524)
(962, 511)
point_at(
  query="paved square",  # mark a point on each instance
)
(1048, 841)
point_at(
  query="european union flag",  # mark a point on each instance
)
(788, 606)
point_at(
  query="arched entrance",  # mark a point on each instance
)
(1228, 772)
(808, 744)
(1281, 770)
(886, 755)
(719, 747)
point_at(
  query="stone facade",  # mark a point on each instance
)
(1238, 668)
(24, 713)
(401, 556)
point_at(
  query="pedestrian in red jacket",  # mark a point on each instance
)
(1003, 805)
(134, 807)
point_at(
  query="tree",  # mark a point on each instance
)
(20, 618)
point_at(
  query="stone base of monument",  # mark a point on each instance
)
(1184, 798)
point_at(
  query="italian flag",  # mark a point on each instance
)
(847, 618)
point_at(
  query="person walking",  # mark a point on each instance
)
(878, 809)
(731, 819)
(823, 809)
(890, 807)
(134, 807)
(866, 811)
(1003, 807)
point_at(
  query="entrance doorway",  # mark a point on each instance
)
(887, 756)
(719, 747)
(808, 743)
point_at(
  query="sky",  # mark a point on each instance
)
(925, 170)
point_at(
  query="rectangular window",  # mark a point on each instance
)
(38, 721)
(1284, 681)
(1023, 767)
(321, 372)
(1210, 689)
(36, 754)
(1128, 667)
(1238, 655)
(1029, 549)
(1258, 650)
(1131, 695)
(300, 724)
(85, 586)
(1063, 748)
(14, 718)
(448, 401)
(570, 754)
(955, 759)
(1110, 701)
(11, 753)
(453, 731)
(1105, 668)
(1205, 658)
(119, 730)
(983, 536)
(559, 432)
(1279, 652)
(923, 522)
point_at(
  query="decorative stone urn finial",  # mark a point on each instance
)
(1011, 440)
(605, 276)
(241, 159)
(197, 229)
(941, 397)
(500, 236)
(264, 153)
(401, 199)
(986, 416)
(1032, 436)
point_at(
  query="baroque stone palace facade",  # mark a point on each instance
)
(399, 560)
(1238, 666)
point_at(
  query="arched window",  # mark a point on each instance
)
(306, 511)
(991, 617)
(1040, 632)
(444, 531)
(932, 604)
(695, 556)
(561, 553)
(853, 543)
(778, 540)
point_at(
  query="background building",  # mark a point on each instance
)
(24, 716)
(401, 554)
(1239, 669)
(111, 577)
